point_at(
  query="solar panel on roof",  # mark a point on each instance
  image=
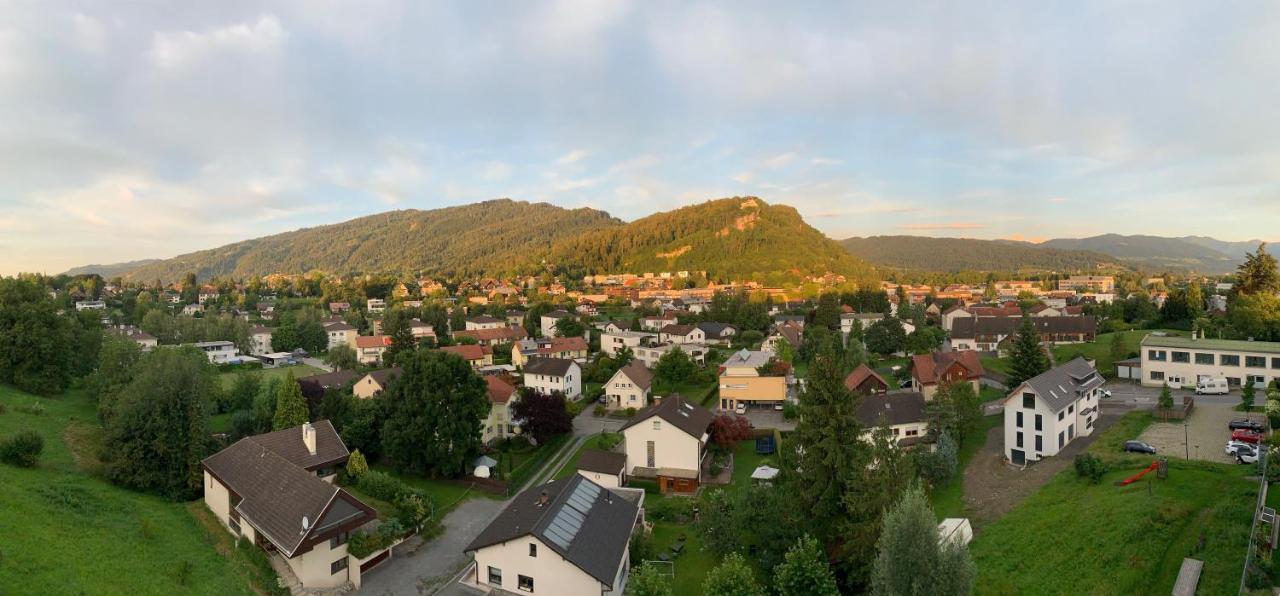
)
(568, 520)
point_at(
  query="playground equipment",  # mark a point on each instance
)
(1135, 477)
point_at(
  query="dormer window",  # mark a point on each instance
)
(657, 425)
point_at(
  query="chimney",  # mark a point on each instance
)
(309, 437)
(542, 499)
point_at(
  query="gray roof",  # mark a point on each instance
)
(971, 327)
(1062, 386)
(900, 407)
(685, 415)
(1227, 345)
(641, 376)
(336, 378)
(586, 524)
(288, 444)
(606, 462)
(556, 367)
(714, 328)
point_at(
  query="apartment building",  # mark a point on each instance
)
(1182, 361)
(742, 383)
(1103, 284)
(1044, 414)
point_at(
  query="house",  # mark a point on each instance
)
(798, 320)
(613, 326)
(484, 322)
(206, 294)
(718, 333)
(421, 330)
(629, 387)
(499, 424)
(1045, 413)
(192, 309)
(568, 537)
(339, 307)
(606, 468)
(548, 321)
(369, 348)
(993, 334)
(375, 382)
(340, 333)
(650, 355)
(668, 441)
(548, 375)
(91, 305)
(219, 352)
(929, 371)
(656, 323)
(1183, 361)
(552, 347)
(863, 320)
(476, 355)
(741, 381)
(314, 386)
(902, 411)
(376, 305)
(260, 340)
(495, 336)
(145, 340)
(1129, 368)
(276, 490)
(789, 333)
(613, 341)
(515, 317)
(682, 334)
(865, 381)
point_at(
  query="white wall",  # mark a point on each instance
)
(672, 447)
(1185, 374)
(313, 568)
(622, 393)
(1071, 416)
(570, 384)
(605, 480)
(552, 575)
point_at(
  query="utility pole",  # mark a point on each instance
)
(1186, 442)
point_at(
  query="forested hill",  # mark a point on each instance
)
(110, 271)
(967, 254)
(489, 237)
(1158, 253)
(737, 238)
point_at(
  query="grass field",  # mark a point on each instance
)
(300, 370)
(1100, 348)
(693, 564)
(65, 531)
(948, 500)
(444, 495)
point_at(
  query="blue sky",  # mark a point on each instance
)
(149, 129)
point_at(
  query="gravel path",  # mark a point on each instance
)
(430, 567)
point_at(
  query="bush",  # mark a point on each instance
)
(33, 408)
(22, 449)
(356, 465)
(599, 410)
(412, 509)
(608, 441)
(1091, 467)
(574, 407)
(669, 509)
(715, 469)
(630, 412)
(789, 411)
(380, 485)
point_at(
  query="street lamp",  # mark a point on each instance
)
(1186, 442)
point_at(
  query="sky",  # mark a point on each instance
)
(145, 129)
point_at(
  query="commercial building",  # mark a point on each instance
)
(1182, 361)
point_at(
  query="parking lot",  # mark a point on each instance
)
(1203, 437)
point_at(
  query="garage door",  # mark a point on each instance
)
(1018, 457)
(371, 563)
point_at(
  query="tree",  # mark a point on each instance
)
(938, 467)
(886, 336)
(342, 357)
(1165, 402)
(646, 580)
(727, 430)
(431, 415)
(1258, 274)
(827, 313)
(1195, 300)
(396, 325)
(805, 571)
(1247, 395)
(116, 360)
(291, 409)
(911, 561)
(245, 387)
(1027, 358)
(36, 343)
(758, 522)
(542, 416)
(672, 369)
(1117, 350)
(22, 449)
(570, 327)
(159, 431)
(356, 465)
(732, 577)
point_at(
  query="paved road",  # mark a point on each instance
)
(1130, 393)
(433, 566)
(318, 363)
(587, 424)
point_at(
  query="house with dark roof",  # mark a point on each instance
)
(629, 387)
(549, 375)
(484, 322)
(681, 334)
(866, 381)
(606, 468)
(994, 334)
(548, 321)
(502, 395)
(1046, 412)
(929, 371)
(667, 441)
(568, 537)
(549, 347)
(276, 490)
(790, 332)
(902, 411)
(718, 333)
(494, 336)
(375, 382)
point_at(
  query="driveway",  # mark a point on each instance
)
(769, 418)
(587, 424)
(425, 569)
(318, 363)
(1203, 437)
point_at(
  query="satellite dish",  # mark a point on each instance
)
(306, 523)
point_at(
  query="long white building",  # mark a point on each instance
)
(1182, 361)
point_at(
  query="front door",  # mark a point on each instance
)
(1018, 457)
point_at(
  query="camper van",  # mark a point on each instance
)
(1212, 386)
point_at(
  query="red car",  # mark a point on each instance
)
(1246, 436)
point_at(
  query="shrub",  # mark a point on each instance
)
(412, 509)
(380, 485)
(630, 412)
(599, 410)
(789, 411)
(609, 440)
(22, 449)
(1091, 467)
(356, 465)
(715, 469)
(574, 407)
(669, 509)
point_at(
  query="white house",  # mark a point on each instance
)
(682, 334)
(667, 441)
(219, 352)
(864, 320)
(718, 333)
(650, 355)
(612, 341)
(91, 305)
(606, 468)
(260, 341)
(568, 537)
(1047, 412)
(548, 375)
(376, 305)
(902, 411)
(484, 322)
(548, 321)
(629, 387)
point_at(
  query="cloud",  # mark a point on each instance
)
(571, 157)
(744, 177)
(495, 171)
(174, 49)
(826, 161)
(780, 161)
(942, 226)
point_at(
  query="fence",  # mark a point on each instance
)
(1257, 516)
(1176, 413)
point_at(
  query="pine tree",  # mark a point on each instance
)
(805, 571)
(1166, 398)
(732, 577)
(1028, 357)
(911, 560)
(291, 409)
(1247, 395)
(1258, 273)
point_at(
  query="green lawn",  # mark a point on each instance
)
(300, 370)
(701, 393)
(444, 495)
(1100, 348)
(1111, 442)
(745, 461)
(1076, 537)
(693, 563)
(948, 500)
(1000, 365)
(67, 532)
(594, 442)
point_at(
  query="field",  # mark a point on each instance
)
(300, 370)
(1075, 537)
(1100, 349)
(948, 500)
(68, 532)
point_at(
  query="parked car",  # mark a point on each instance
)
(1106, 393)
(1246, 455)
(1213, 386)
(1138, 447)
(1246, 424)
(741, 409)
(1246, 436)
(1234, 446)
(777, 407)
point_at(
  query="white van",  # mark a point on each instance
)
(1212, 386)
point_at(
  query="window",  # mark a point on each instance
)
(1039, 422)
(657, 425)
(495, 576)
(1182, 357)
(1157, 375)
(1019, 420)
(1157, 355)
(1255, 361)
(1071, 431)
(338, 540)
(533, 549)
(338, 565)
(1202, 358)
(1275, 363)
(1229, 360)
(1029, 401)
(235, 525)
(1071, 409)
(525, 583)
(1061, 415)
(911, 433)
(1039, 443)
(1019, 439)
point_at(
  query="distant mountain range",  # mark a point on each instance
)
(738, 238)
(1156, 253)
(112, 270)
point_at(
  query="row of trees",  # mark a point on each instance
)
(42, 348)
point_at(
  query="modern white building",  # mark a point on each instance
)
(1045, 413)
(376, 305)
(548, 375)
(219, 352)
(260, 341)
(1182, 361)
(91, 305)
(612, 341)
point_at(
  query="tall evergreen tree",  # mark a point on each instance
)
(805, 571)
(396, 325)
(1165, 401)
(291, 408)
(432, 414)
(911, 560)
(1028, 357)
(1258, 274)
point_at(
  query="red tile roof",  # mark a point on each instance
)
(372, 341)
(860, 376)
(499, 391)
(471, 352)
